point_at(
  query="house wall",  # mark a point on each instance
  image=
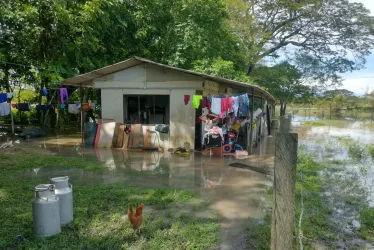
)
(153, 81)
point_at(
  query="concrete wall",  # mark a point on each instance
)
(159, 82)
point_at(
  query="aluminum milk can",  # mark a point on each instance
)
(65, 194)
(46, 211)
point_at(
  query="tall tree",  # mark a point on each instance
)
(284, 81)
(321, 37)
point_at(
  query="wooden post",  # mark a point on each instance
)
(283, 217)
(268, 119)
(330, 111)
(11, 117)
(260, 127)
(250, 136)
(82, 124)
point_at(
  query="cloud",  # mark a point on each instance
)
(359, 85)
(368, 4)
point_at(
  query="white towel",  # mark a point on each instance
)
(73, 109)
(216, 105)
(10, 95)
(4, 109)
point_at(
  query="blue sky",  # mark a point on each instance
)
(359, 81)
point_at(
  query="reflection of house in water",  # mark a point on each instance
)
(182, 172)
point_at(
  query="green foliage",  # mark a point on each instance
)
(367, 218)
(284, 81)
(221, 68)
(316, 35)
(371, 150)
(367, 223)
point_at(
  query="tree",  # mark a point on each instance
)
(329, 94)
(323, 38)
(284, 81)
(221, 68)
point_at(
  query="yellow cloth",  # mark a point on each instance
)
(196, 101)
(235, 127)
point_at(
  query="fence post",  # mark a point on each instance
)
(283, 217)
(330, 111)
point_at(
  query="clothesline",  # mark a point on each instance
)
(238, 104)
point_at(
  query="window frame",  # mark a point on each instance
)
(152, 122)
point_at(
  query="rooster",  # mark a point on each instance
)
(135, 219)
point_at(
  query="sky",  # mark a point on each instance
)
(359, 81)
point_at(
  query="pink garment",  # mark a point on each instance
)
(226, 104)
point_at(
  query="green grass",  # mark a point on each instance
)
(100, 213)
(314, 123)
(260, 233)
(316, 224)
(371, 150)
(12, 163)
(367, 223)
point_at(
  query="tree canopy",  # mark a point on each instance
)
(321, 37)
(44, 41)
(285, 82)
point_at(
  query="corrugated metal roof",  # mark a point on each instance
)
(86, 79)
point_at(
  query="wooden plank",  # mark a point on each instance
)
(106, 133)
(121, 134)
(135, 135)
(125, 140)
(282, 229)
(97, 138)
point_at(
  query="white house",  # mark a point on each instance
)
(148, 93)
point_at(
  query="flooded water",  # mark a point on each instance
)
(353, 183)
(235, 194)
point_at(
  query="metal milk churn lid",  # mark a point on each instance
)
(46, 211)
(64, 190)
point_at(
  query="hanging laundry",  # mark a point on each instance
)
(204, 103)
(209, 97)
(186, 99)
(235, 105)
(86, 107)
(15, 105)
(45, 92)
(3, 97)
(50, 107)
(196, 101)
(62, 106)
(244, 104)
(4, 109)
(78, 104)
(23, 107)
(73, 109)
(216, 105)
(226, 104)
(10, 95)
(41, 107)
(64, 95)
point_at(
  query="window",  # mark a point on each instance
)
(146, 109)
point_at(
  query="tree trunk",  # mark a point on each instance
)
(283, 106)
(6, 78)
